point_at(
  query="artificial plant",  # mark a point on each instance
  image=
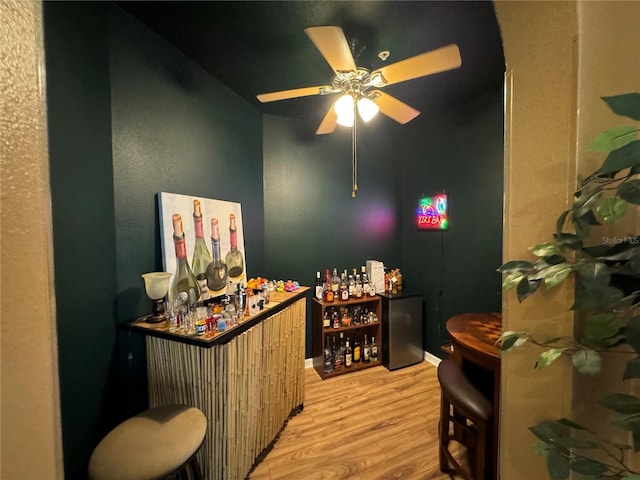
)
(607, 299)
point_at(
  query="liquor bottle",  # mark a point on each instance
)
(217, 273)
(184, 280)
(366, 350)
(352, 284)
(326, 320)
(335, 319)
(374, 350)
(342, 349)
(358, 291)
(327, 293)
(344, 291)
(328, 360)
(335, 283)
(318, 286)
(201, 256)
(235, 264)
(365, 281)
(356, 349)
(337, 360)
(348, 355)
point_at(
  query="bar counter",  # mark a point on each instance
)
(248, 380)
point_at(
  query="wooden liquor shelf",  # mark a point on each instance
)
(319, 333)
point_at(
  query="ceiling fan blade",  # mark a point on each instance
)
(428, 63)
(329, 122)
(333, 46)
(295, 93)
(394, 108)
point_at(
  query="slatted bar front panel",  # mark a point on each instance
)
(247, 388)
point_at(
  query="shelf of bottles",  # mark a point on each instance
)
(346, 324)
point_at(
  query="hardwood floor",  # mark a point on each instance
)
(368, 425)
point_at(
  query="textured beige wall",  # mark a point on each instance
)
(540, 167)
(30, 437)
(609, 65)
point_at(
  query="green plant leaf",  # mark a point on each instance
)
(561, 220)
(621, 403)
(631, 477)
(632, 369)
(577, 443)
(632, 333)
(557, 466)
(549, 431)
(630, 191)
(508, 342)
(598, 298)
(612, 209)
(527, 287)
(635, 434)
(601, 326)
(621, 158)
(516, 265)
(556, 274)
(585, 202)
(627, 104)
(568, 240)
(544, 249)
(548, 357)
(511, 280)
(613, 138)
(542, 448)
(594, 274)
(574, 425)
(586, 466)
(587, 362)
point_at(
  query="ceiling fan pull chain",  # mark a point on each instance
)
(354, 163)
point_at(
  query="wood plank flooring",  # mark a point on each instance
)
(368, 425)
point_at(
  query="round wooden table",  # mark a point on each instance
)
(473, 341)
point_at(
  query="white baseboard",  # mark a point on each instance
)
(432, 359)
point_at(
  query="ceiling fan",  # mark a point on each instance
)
(360, 87)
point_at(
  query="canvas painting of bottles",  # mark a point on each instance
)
(202, 245)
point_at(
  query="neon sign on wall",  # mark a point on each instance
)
(432, 213)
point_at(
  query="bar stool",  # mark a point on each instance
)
(152, 445)
(464, 407)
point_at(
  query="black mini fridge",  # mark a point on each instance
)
(401, 329)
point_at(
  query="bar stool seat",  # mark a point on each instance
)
(464, 407)
(151, 445)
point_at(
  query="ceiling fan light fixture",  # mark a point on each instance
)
(345, 120)
(344, 106)
(367, 109)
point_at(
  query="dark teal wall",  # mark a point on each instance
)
(460, 151)
(311, 220)
(79, 129)
(174, 128)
